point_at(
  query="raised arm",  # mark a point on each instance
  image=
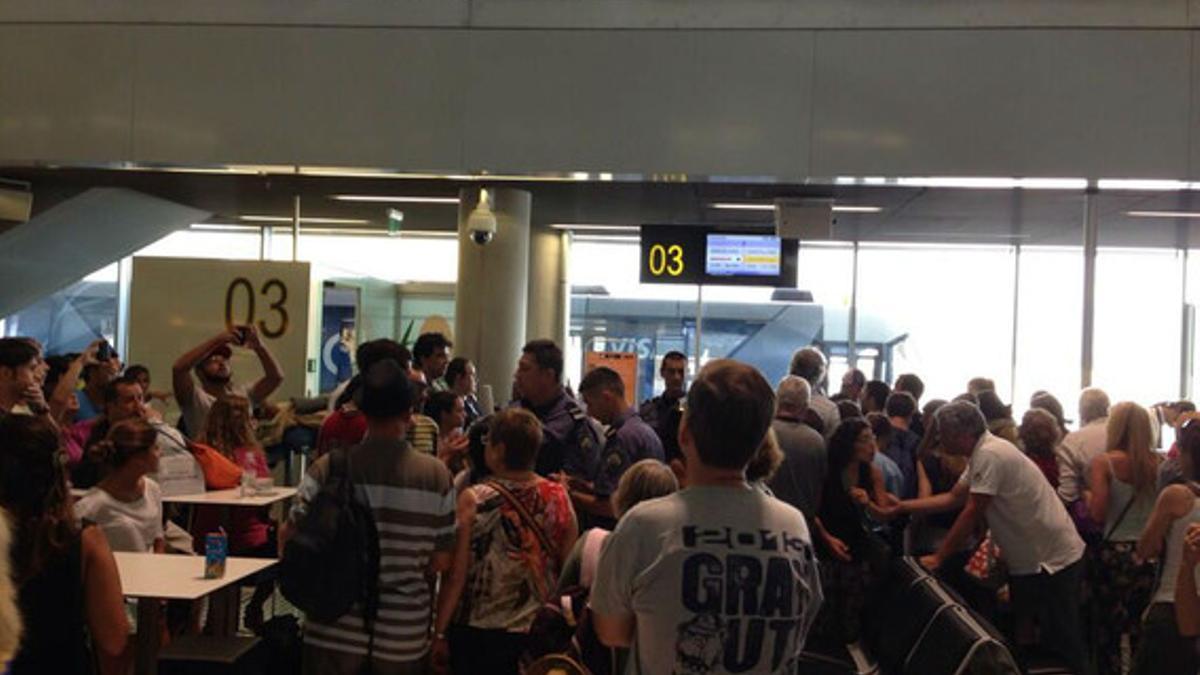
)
(65, 389)
(181, 372)
(272, 373)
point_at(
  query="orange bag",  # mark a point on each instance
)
(220, 472)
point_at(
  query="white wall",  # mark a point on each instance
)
(325, 84)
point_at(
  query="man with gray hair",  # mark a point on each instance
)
(1079, 448)
(802, 474)
(1027, 521)
(809, 363)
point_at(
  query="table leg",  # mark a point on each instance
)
(223, 607)
(149, 636)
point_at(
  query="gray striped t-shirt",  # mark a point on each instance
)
(412, 497)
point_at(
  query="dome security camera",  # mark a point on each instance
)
(481, 224)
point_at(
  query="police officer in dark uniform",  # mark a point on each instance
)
(628, 440)
(571, 441)
(662, 412)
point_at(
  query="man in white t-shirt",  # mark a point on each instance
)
(719, 577)
(1027, 520)
(211, 362)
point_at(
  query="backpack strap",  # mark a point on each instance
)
(526, 518)
(343, 482)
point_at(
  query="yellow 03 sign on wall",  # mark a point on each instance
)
(178, 303)
(671, 254)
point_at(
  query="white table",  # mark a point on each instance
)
(233, 497)
(150, 578)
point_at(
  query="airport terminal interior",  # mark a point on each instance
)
(599, 337)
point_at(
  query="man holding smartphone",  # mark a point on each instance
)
(210, 361)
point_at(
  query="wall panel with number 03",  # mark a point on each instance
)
(177, 303)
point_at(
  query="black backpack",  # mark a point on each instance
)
(331, 561)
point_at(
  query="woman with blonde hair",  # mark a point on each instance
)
(230, 430)
(1122, 496)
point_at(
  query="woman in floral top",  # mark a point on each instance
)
(514, 532)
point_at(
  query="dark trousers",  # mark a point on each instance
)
(1053, 601)
(474, 650)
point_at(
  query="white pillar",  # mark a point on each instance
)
(493, 285)
(548, 286)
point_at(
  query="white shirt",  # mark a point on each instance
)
(1075, 455)
(1027, 519)
(129, 526)
(706, 567)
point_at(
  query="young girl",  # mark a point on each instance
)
(230, 431)
(126, 504)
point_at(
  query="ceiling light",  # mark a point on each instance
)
(1146, 185)
(745, 206)
(224, 227)
(588, 227)
(1163, 214)
(988, 183)
(322, 221)
(389, 199)
(741, 206)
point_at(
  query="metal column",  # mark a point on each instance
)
(295, 228)
(852, 329)
(1090, 239)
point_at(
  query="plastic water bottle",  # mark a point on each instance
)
(249, 478)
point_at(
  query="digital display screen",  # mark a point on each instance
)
(742, 255)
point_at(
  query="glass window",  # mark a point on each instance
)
(395, 259)
(69, 320)
(942, 312)
(1139, 301)
(234, 245)
(1049, 333)
(611, 311)
(827, 271)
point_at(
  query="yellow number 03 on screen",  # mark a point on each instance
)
(666, 259)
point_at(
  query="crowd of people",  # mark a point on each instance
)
(718, 527)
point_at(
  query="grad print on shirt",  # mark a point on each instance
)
(750, 602)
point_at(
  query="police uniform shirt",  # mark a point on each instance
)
(663, 416)
(628, 440)
(571, 441)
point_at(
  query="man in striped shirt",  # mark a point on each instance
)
(412, 498)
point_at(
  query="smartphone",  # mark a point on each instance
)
(242, 333)
(104, 352)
